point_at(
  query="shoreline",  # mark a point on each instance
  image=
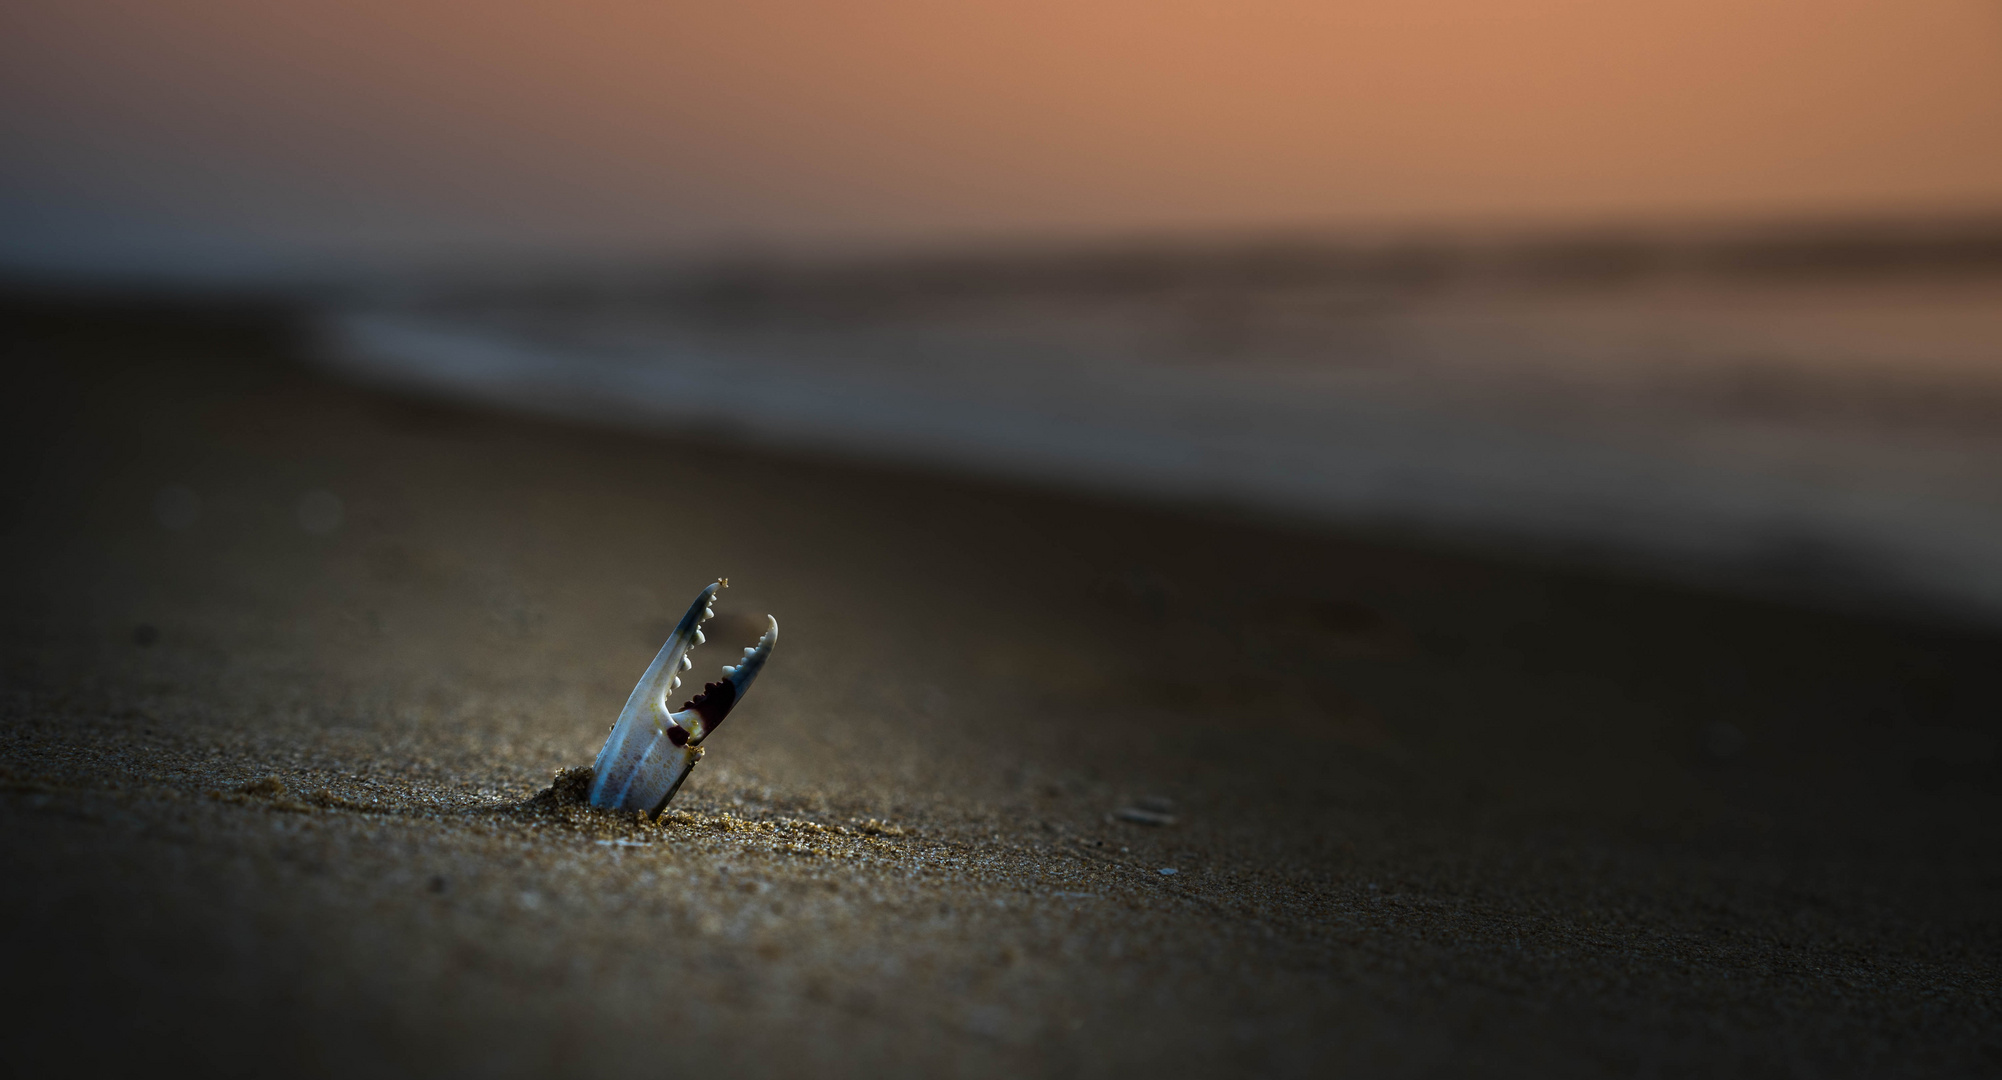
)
(1432, 811)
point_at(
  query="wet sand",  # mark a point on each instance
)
(269, 796)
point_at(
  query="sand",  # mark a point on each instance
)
(1033, 784)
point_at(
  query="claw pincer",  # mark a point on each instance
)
(651, 749)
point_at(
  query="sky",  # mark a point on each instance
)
(192, 136)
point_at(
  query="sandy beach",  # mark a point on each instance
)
(1033, 785)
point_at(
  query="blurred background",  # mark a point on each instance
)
(1713, 287)
(214, 138)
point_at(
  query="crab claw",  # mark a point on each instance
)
(650, 750)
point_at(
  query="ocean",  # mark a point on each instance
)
(1809, 412)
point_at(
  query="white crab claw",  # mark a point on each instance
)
(650, 750)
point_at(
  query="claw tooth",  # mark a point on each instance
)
(699, 639)
(728, 670)
(677, 682)
(687, 662)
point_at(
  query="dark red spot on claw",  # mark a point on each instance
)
(714, 703)
(677, 735)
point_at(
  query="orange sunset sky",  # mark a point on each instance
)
(153, 131)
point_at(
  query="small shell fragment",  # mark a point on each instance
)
(1138, 816)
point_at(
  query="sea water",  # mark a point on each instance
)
(1834, 432)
